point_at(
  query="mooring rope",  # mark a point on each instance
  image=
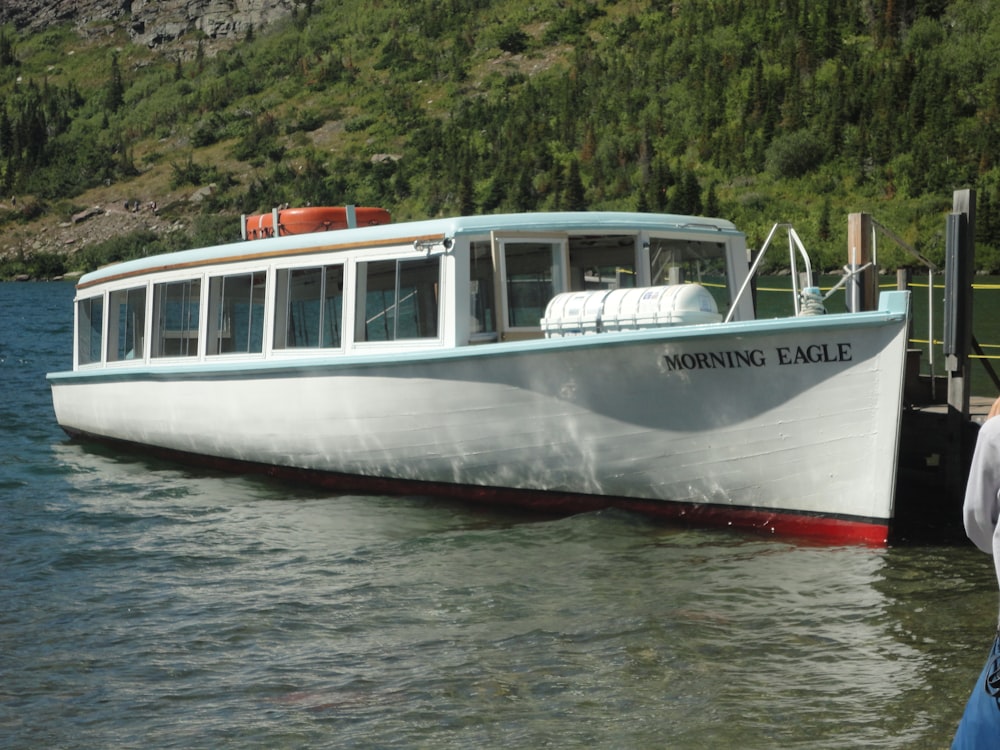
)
(811, 301)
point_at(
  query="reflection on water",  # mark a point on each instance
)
(269, 616)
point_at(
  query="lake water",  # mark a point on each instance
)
(145, 605)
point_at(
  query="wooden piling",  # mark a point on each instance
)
(937, 439)
(862, 290)
(959, 269)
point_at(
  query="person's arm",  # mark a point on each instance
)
(982, 492)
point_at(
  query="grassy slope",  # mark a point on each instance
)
(355, 116)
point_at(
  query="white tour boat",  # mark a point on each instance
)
(559, 361)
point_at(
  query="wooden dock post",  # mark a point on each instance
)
(862, 291)
(960, 254)
(959, 270)
(936, 444)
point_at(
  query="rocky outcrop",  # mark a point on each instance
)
(149, 22)
(154, 21)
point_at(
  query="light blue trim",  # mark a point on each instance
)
(894, 302)
(893, 309)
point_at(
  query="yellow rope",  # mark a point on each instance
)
(984, 287)
(935, 342)
(887, 285)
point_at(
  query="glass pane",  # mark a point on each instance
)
(90, 324)
(127, 310)
(333, 306)
(304, 290)
(309, 307)
(402, 299)
(680, 261)
(236, 312)
(380, 303)
(530, 286)
(602, 262)
(483, 310)
(177, 305)
(417, 316)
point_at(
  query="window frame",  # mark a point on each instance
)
(360, 275)
(100, 330)
(159, 314)
(283, 301)
(139, 329)
(216, 305)
(559, 242)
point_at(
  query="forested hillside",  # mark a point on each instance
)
(754, 110)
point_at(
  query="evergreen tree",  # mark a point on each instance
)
(823, 232)
(494, 195)
(115, 92)
(642, 205)
(662, 179)
(688, 199)
(523, 197)
(574, 197)
(6, 135)
(7, 56)
(986, 224)
(712, 202)
(466, 194)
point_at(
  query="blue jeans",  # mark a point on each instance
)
(980, 725)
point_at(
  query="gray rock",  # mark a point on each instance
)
(87, 213)
(150, 22)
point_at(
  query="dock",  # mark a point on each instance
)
(932, 467)
(940, 419)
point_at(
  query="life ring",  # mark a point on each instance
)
(312, 219)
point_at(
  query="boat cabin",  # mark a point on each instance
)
(382, 288)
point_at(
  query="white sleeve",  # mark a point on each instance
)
(982, 492)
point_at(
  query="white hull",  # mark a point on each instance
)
(563, 361)
(613, 415)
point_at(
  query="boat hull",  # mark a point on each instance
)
(787, 426)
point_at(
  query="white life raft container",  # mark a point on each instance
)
(633, 309)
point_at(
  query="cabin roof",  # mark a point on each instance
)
(429, 229)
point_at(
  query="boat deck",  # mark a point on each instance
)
(979, 407)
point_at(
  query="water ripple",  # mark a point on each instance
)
(149, 606)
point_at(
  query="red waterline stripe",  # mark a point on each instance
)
(829, 529)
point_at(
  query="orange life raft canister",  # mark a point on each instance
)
(313, 219)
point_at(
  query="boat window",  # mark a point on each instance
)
(400, 300)
(531, 272)
(89, 330)
(674, 261)
(176, 308)
(602, 262)
(126, 324)
(309, 307)
(483, 308)
(236, 313)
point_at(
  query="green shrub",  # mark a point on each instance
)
(794, 154)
